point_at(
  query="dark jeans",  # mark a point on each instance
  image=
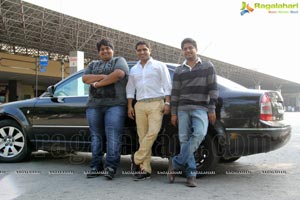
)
(109, 122)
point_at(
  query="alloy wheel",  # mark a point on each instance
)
(12, 141)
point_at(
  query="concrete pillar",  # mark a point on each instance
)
(257, 86)
(76, 64)
(298, 101)
(278, 88)
(76, 61)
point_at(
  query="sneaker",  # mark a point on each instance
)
(142, 176)
(134, 167)
(109, 173)
(171, 172)
(93, 173)
(191, 181)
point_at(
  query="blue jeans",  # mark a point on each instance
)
(108, 122)
(192, 127)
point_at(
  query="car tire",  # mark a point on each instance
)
(13, 142)
(229, 160)
(206, 157)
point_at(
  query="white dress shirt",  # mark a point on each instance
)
(151, 81)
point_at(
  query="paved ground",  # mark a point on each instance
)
(274, 175)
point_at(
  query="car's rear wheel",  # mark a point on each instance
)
(13, 142)
(206, 157)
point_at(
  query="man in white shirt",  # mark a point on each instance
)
(149, 80)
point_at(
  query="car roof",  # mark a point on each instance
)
(172, 66)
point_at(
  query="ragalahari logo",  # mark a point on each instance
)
(245, 8)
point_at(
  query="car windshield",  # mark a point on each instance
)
(228, 83)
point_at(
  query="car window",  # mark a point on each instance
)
(72, 87)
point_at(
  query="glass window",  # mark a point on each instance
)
(2, 99)
(72, 87)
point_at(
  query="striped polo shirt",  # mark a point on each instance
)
(194, 88)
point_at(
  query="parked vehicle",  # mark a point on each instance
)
(248, 122)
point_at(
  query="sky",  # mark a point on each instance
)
(258, 40)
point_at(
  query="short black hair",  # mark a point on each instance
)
(104, 42)
(142, 43)
(189, 40)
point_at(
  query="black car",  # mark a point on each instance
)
(248, 122)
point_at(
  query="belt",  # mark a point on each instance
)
(151, 99)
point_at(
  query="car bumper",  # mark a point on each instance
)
(247, 141)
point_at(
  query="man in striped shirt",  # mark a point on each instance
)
(193, 98)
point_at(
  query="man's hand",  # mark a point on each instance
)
(130, 112)
(92, 78)
(167, 109)
(174, 120)
(212, 117)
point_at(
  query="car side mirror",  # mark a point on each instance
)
(51, 90)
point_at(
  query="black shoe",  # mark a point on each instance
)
(142, 176)
(109, 173)
(171, 172)
(134, 167)
(93, 173)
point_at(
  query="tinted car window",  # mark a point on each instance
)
(72, 87)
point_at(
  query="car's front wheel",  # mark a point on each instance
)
(206, 157)
(13, 142)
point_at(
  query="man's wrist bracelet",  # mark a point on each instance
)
(94, 84)
(167, 103)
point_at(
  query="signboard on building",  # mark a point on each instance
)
(43, 63)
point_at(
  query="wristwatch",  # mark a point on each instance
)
(167, 103)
